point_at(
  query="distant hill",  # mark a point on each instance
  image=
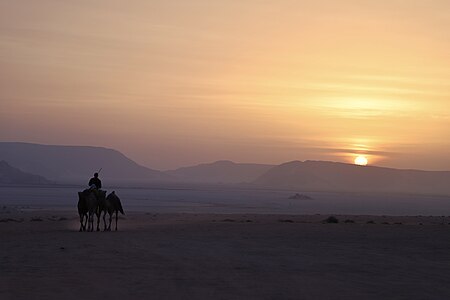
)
(75, 163)
(333, 176)
(222, 171)
(11, 175)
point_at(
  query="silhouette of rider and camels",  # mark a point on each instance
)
(93, 201)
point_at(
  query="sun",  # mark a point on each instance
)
(361, 160)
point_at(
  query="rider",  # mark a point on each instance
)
(95, 182)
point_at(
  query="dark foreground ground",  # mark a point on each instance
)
(210, 256)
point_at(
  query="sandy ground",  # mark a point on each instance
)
(234, 256)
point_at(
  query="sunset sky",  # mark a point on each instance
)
(176, 83)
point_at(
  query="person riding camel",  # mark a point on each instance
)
(95, 182)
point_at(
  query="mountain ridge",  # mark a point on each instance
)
(221, 171)
(75, 163)
(324, 175)
(12, 175)
(61, 163)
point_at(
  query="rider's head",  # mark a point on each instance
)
(95, 175)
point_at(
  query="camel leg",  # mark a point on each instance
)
(81, 222)
(85, 221)
(98, 221)
(91, 222)
(110, 220)
(116, 218)
(104, 219)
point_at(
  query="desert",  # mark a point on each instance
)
(189, 250)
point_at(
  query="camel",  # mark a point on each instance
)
(88, 205)
(111, 205)
(82, 211)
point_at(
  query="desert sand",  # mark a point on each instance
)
(223, 256)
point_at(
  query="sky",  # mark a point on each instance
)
(177, 83)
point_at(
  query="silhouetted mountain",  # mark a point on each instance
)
(11, 175)
(222, 171)
(75, 163)
(332, 176)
